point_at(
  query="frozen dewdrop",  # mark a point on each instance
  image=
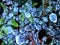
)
(45, 19)
(9, 29)
(57, 7)
(16, 9)
(38, 27)
(21, 31)
(9, 23)
(28, 28)
(4, 0)
(9, 2)
(53, 17)
(27, 15)
(10, 15)
(26, 4)
(44, 39)
(17, 39)
(59, 13)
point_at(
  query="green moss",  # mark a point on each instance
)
(3, 43)
(14, 23)
(2, 21)
(31, 19)
(5, 31)
(21, 2)
(34, 4)
(22, 17)
(3, 5)
(1, 34)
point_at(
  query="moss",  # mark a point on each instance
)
(22, 17)
(3, 5)
(21, 2)
(2, 21)
(31, 19)
(36, 3)
(1, 34)
(14, 23)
